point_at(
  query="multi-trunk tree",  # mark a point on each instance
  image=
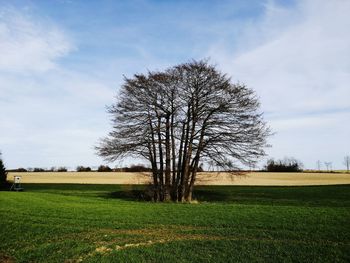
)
(182, 117)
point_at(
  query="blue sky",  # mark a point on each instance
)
(62, 61)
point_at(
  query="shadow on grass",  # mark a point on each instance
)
(129, 193)
(211, 196)
(144, 195)
(335, 195)
(132, 195)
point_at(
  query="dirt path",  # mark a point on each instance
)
(203, 178)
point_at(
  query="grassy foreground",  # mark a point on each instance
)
(102, 223)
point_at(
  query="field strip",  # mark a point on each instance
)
(255, 178)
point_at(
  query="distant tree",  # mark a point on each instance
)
(328, 166)
(285, 165)
(347, 162)
(83, 169)
(18, 170)
(3, 174)
(137, 168)
(104, 168)
(62, 169)
(318, 165)
(38, 170)
(181, 117)
(133, 169)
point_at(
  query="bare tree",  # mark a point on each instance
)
(175, 119)
(318, 165)
(328, 166)
(347, 162)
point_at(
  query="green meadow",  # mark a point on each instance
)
(108, 223)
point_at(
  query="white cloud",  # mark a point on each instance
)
(28, 45)
(297, 59)
(50, 115)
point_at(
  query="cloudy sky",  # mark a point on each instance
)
(62, 62)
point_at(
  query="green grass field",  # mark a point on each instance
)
(104, 223)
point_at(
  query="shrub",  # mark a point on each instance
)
(83, 169)
(104, 168)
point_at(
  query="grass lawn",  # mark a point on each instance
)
(104, 223)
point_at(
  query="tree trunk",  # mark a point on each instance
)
(167, 160)
(187, 170)
(153, 160)
(195, 163)
(161, 161)
(179, 165)
(173, 153)
(181, 188)
(189, 189)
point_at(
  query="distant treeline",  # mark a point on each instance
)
(106, 168)
(36, 169)
(101, 168)
(80, 168)
(286, 165)
(324, 171)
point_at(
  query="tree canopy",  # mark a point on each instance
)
(181, 117)
(3, 174)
